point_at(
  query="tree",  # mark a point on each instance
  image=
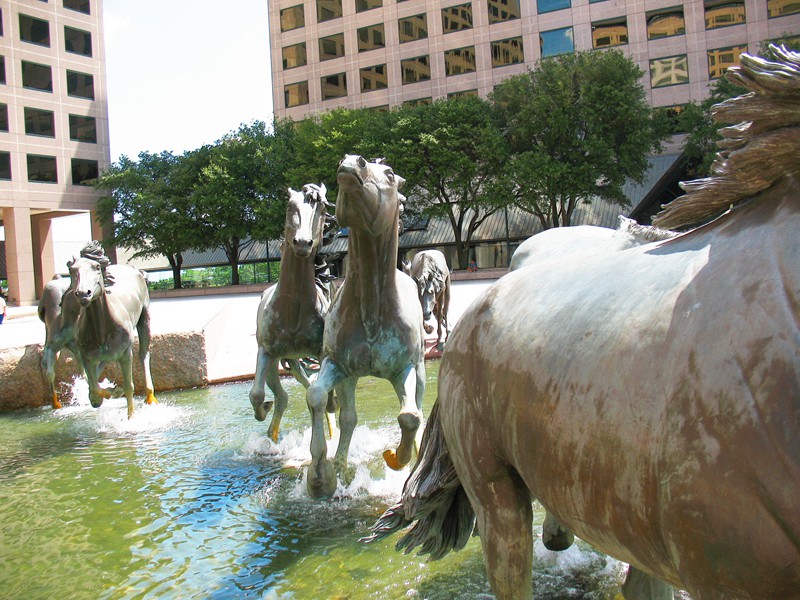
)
(579, 126)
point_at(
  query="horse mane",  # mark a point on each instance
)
(757, 152)
(94, 251)
(431, 271)
(643, 234)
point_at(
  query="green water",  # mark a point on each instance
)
(190, 499)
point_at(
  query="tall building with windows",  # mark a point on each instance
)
(382, 53)
(53, 129)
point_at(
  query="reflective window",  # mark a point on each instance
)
(3, 117)
(2, 69)
(418, 102)
(294, 56)
(373, 78)
(546, 6)
(5, 166)
(79, 5)
(40, 122)
(413, 28)
(37, 77)
(362, 5)
(503, 10)
(507, 52)
(83, 171)
(77, 41)
(82, 129)
(612, 32)
(334, 86)
(672, 70)
(80, 85)
(413, 70)
(457, 18)
(720, 59)
(34, 31)
(328, 9)
(459, 61)
(665, 22)
(557, 41)
(331, 47)
(463, 94)
(1, 22)
(371, 38)
(293, 18)
(42, 168)
(723, 14)
(295, 94)
(781, 8)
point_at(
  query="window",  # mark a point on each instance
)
(83, 171)
(414, 70)
(673, 115)
(37, 77)
(1, 23)
(720, 59)
(665, 22)
(557, 41)
(77, 41)
(78, 5)
(334, 86)
(5, 166)
(294, 56)
(546, 6)
(503, 10)
(464, 94)
(781, 8)
(374, 78)
(507, 52)
(295, 94)
(612, 32)
(413, 28)
(672, 70)
(40, 122)
(293, 18)
(80, 85)
(3, 117)
(457, 18)
(370, 38)
(459, 61)
(362, 5)
(418, 102)
(34, 31)
(723, 14)
(2, 69)
(331, 47)
(42, 168)
(82, 129)
(328, 9)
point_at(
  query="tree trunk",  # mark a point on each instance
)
(175, 261)
(234, 272)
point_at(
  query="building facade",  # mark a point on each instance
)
(383, 53)
(53, 129)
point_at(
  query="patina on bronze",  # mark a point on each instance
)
(429, 271)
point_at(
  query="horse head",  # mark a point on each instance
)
(306, 215)
(368, 199)
(88, 274)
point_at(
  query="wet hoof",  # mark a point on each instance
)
(261, 410)
(390, 456)
(428, 328)
(151, 398)
(95, 401)
(272, 432)
(56, 403)
(130, 413)
(321, 480)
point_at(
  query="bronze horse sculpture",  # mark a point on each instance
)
(113, 301)
(374, 325)
(650, 399)
(291, 314)
(429, 271)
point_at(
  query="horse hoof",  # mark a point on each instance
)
(56, 403)
(261, 411)
(151, 398)
(390, 456)
(321, 480)
(428, 328)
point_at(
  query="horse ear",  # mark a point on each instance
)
(400, 180)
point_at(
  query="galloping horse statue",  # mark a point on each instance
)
(113, 301)
(429, 271)
(291, 314)
(649, 399)
(58, 310)
(374, 326)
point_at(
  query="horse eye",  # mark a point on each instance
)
(390, 176)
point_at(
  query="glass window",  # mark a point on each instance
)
(723, 14)
(83, 171)
(557, 41)
(781, 8)
(463, 94)
(374, 78)
(503, 10)
(457, 18)
(295, 94)
(1, 22)
(293, 18)
(362, 5)
(40, 122)
(665, 22)
(546, 6)
(2, 69)
(720, 59)
(328, 9)
(80, 85)
(612, 32)
(334, 86)
(294, 56)
(82, 129)
(3, 117)
(37, 77)
(418, 102)
(5, 166)
(507, 52)
(34, 31)
(42, 168)
(413, 28)
(672, 70)
(331, 47)
(413, 70)
(460, 60)
(77, 41)
(371, 38)
(79, 5)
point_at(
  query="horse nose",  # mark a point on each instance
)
(83, 295)
(362, 162)
(301, 243)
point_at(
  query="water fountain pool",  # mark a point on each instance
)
(190, 499)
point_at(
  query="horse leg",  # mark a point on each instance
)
(330, 409)
(143, 328)
(321, 482)
(49, 358)
(641, 586)
(257, 395)
(348, 419)
(555, 536)
(273, 380)
(406, 386)
(96, 393)
(126, 366)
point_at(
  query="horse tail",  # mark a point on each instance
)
(433, 500)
